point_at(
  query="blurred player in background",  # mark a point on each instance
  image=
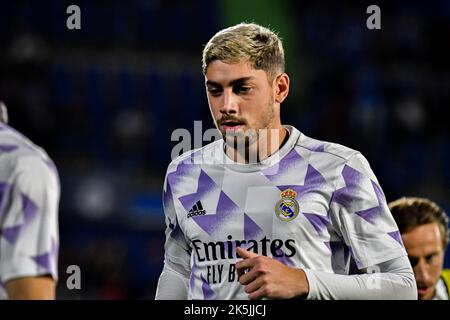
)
(424, 228)
(296, 209)
(29, 200)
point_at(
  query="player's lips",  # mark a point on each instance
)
(231, 125)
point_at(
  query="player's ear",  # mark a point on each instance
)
(281, 87)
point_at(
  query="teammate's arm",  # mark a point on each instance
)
(28, 263)
(31, 288)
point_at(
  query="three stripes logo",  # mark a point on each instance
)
(196, 210)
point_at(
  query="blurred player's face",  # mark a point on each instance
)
(242, 100)
(426, 253)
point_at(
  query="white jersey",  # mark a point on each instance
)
(313, 204)
(29, 200)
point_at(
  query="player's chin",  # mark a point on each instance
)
(234, 142)
(233, 136)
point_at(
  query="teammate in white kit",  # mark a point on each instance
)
(29, 200)
(268, 212)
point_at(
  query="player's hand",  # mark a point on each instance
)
(265, 277)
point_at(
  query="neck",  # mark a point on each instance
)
(268, 142)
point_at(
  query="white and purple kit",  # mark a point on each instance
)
(312, 205)
(29, 200)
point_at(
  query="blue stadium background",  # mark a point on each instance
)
(104, 100)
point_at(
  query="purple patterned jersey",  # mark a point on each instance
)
(313, 205)
(29, 199)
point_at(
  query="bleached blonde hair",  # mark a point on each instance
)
(258, 45)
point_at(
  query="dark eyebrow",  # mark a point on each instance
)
(232, 82)
(430, 254)
(435, 253)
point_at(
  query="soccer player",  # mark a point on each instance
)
(29, 200)
(424, 229)
(267, 212)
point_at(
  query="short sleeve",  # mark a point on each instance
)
(364, 219)
(29, 237)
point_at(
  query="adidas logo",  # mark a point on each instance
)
(196, 210)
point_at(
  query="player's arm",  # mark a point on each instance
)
(392, 280)
(173, 282)
(264, 277)
(359, 213)
(31, 288)
(172, 285)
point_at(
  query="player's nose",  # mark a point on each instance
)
(229, 103)
(421, 272)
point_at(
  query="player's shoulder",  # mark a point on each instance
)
(332, 150)
(334, 157)
(197, 156)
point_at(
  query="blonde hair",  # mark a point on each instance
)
(261, 47)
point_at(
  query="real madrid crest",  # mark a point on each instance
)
(287, 208)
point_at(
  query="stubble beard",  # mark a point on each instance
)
(247, 141)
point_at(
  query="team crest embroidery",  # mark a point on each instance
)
(287, 208)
